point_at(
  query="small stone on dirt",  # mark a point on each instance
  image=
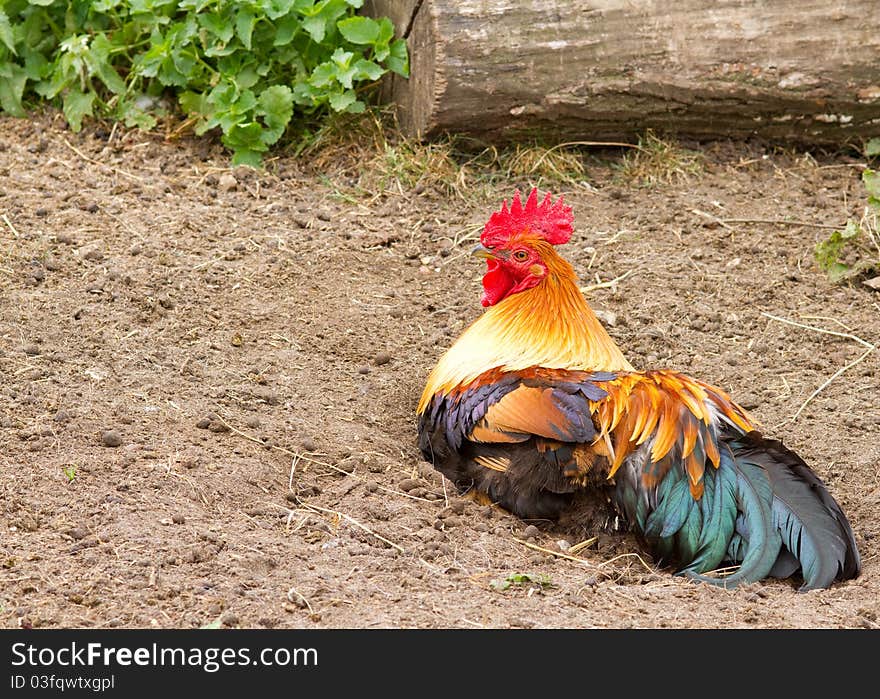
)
(178, 519)
(265, 394)
(531, 532)
(408, 484)
(111, 438)
(77, 533)
(252, 421)
(41, 212)
(382, 358)
(31, 350)
(364, 370)
(309, 444)
(749, 401)
(227, 182)
(607, 317)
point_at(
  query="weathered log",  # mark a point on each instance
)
(788, 70)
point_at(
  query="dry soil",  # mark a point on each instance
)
(208, 380)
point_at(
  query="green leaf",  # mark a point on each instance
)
(243, 156)
(41, 3)
(275, 105)
(359, 30)
(276, 9)
(76, 106)
(244, 27)
(341, 57)
(522, 579)
(132, 116)
(305, 95)
(851, 230)
(99, 64)
(193, 103)
(316, 28)
(341, 101)
(344, 72)
(381, 47)
(398, 58)
(367, 70)
(6, 33)
(837, 272)
(12, 82)
(245, 135)
(871, 178)
(285, 29)
(323, 75)
(247, 143)
(218, 25)
(872, 148)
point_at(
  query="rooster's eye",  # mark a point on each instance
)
(520, 256)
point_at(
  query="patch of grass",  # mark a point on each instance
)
(659, 161)
(408, 164)
(855, 251)
(560, 163)
(366, 155)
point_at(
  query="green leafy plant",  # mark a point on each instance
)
(855, 250)
(244, 68)
(522, 579)
(70, 472)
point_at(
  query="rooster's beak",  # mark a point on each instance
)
(480, 251)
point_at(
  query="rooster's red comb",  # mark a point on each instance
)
(552, 221)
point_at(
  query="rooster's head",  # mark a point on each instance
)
(517, 243)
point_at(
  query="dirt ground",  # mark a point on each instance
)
(208, 381)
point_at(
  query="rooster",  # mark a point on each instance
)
(535, 401)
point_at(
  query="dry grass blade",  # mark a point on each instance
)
(82, 155)
(580, 546)
(558, 554)
(657, 161)
(627, 555)
(849, 336)
(11, 227)
(555, 164)
(299, 596)
(611, 283)
(836, 374)
(352, 520)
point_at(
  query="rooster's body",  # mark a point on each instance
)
(535, 401)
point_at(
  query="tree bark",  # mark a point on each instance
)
(803, 71)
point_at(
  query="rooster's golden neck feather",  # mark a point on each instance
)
(549, 325)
